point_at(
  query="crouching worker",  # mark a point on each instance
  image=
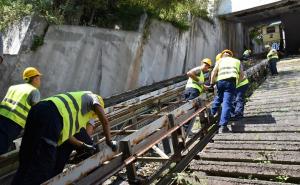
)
(15, 106)
(195, 85)
(50, 123)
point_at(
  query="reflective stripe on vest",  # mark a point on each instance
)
(15, 106)
(193, 84)
(69, 106)
(243, 82)
(228, 68)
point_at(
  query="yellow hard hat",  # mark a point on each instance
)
(30, 72)
(218, 57)
(100, 101)
(207, 61)
(227, 51)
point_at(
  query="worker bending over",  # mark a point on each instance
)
(15, 106)
(52, 122)
(195, 86)
(226, 72)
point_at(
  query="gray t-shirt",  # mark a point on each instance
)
(34, 97)
(196, 70)
(88, 101)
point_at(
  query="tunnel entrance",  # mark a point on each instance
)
(280, 19)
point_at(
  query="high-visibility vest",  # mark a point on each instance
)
(246, 52)
(193, 84)
(228, 68)
(69, 106)
(272, 54)
(15, 106)
(243, 82)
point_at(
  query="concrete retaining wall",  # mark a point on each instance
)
(112, 61)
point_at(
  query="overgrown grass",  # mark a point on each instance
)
(124, 14)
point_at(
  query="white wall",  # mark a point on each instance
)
(230, 6)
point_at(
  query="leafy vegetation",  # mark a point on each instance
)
(13, 10)
(124, 14)
(37, 42)
(281, 178)
(256, 34)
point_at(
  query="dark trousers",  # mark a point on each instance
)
(64, 151)
(189, 94)
(9, 131)
(226, 91)
(239, 101)
(273, 66)
(37, 157)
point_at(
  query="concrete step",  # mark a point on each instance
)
(201, 179)
(255, 107)
(258, 137)
(254, 145)
(270, 100)
(266, 128)
(283, 93)
(267, 109)
(269, 119)
(257, 170)
(275, 114)
(278, 157)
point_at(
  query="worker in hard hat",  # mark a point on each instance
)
(226, 73)
(195, 85)
(15, 106)
(52, 122)
(239, 98)
(273, 58)
(246, 54)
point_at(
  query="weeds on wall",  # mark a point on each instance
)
(115, 14)
(37, 42)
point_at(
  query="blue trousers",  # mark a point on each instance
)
(226, 91)
(9, 131)
(273, 66)
(189, 94)
(239, 101)
(37, 156)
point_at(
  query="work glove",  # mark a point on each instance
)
(210, 88)
(113, 145)
(88, 148)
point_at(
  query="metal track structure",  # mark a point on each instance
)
(153, 119)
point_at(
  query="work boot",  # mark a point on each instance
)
(223, 129)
